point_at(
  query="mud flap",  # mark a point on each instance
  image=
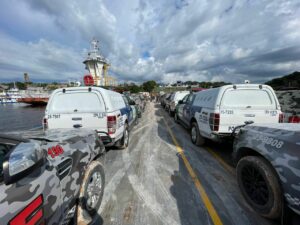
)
(83, 218)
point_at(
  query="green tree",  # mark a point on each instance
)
(288, 81)
(149, 85)
(20, 85)
(134, 89)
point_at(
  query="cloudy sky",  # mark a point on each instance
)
(164, 40)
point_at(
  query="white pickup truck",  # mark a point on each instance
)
(214, 113)
(94, 108)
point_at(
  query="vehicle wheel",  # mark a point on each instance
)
(260, 186)
(91, 192)
(125, 139)
(196, 137)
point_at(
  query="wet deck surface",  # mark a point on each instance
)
(148, 183)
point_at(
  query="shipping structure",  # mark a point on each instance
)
(97, 66)
(35, 96)
(10, 96)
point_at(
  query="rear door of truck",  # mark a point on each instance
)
(77, 109)
(247, 104)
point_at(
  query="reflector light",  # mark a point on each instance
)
(45, 123)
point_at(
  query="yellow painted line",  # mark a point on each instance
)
(220, 160)
(209, 206)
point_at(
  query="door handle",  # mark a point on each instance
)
(77, 125)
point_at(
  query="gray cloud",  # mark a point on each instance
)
(162, 40)
(289, 54)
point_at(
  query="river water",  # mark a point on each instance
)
(18, 116)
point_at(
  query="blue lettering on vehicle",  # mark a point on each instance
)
(126, 111)
(123, 111)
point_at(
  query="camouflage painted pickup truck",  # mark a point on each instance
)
(268, 167)
(51, 178)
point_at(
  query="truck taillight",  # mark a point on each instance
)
(214, 121)
(45, 123)
(111, 124)
(281, 117)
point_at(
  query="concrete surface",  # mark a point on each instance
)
(148, 183)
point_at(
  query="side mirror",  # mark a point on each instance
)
(180, 102)
(23, 160)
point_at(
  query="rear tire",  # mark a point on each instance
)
(125, 139)
(260, 186)
(196, 137)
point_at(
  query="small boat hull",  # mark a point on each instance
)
(34, 101)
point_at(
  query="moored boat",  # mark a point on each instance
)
(35, 101)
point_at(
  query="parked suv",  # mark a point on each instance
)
(164, 99)
(175, 98)
(91, 107)
(182, 111)
(214, 113)
(167, 101)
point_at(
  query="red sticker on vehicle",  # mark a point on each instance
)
(31, 214)
(55, 151)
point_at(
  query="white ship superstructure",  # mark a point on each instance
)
(97, 66)
(10, 96)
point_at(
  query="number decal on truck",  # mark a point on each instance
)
(227, 111)
(53, 116)
(55, 151)
(269, 141)
(271, 112)
(99, 115)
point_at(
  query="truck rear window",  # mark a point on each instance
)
(76, 103)
(245, 98)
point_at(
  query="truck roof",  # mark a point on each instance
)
(241, 86)
(113, 100)
(212, 97)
